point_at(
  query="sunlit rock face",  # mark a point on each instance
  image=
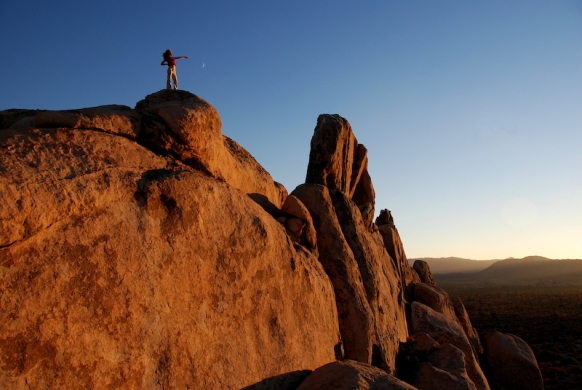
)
(141, 248)
(338, 162)
(340, 197)
(189, 128)
(125, 268)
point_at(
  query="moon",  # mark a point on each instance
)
(203, 64)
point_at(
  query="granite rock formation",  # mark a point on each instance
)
(423, 270)
(188, 127)
(443, 367)
(507, 355)
(121, 268)
(141, 248)
(368, 294)
(10, 118)
(350, 375)
(113, 119)
(446, 330)
(338, 162)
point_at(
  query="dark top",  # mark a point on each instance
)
(170, 60)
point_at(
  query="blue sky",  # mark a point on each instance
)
(471, 111)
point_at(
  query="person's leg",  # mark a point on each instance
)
(175, 77)
(169, 80)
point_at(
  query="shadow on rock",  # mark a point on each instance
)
(287, 381)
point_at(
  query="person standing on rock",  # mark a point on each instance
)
(171, 62)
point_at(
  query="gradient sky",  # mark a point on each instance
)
(471, 110)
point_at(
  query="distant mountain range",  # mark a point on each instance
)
(531, 270)
(447, 265)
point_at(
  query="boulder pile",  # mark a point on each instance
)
(141, 248)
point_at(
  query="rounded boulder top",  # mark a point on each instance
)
(169, 96)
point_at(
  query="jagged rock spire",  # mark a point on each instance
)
(337, 161)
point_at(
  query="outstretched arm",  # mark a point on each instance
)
(179, 58)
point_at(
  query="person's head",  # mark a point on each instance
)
(167, 53)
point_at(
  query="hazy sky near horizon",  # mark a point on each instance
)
(471, 111)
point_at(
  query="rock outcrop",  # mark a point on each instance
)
(297, 219)
(50, 175)
(439, 366)
(446, 330)
(423, 270)
(351, 375)
(9, 118)
(121, 268)
(189, 128)
(184, 125)
(177, 124)
(512, 362)
(434, 297)
(337, 161)
(333, 149)
(113, 119)
(141, 248)
(368, 294)
(356, 318)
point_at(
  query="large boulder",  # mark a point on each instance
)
(446, 330)
(298, 215)
(429, 365)
(352, 375)
(185, 126)
(423, 270)
(141, 248)
(188, 128)
(512, 362)
(445, 370)
(124, 269)
(337, 161)
(331, 158)
(436, 298)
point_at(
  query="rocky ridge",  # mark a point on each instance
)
(141, 248)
